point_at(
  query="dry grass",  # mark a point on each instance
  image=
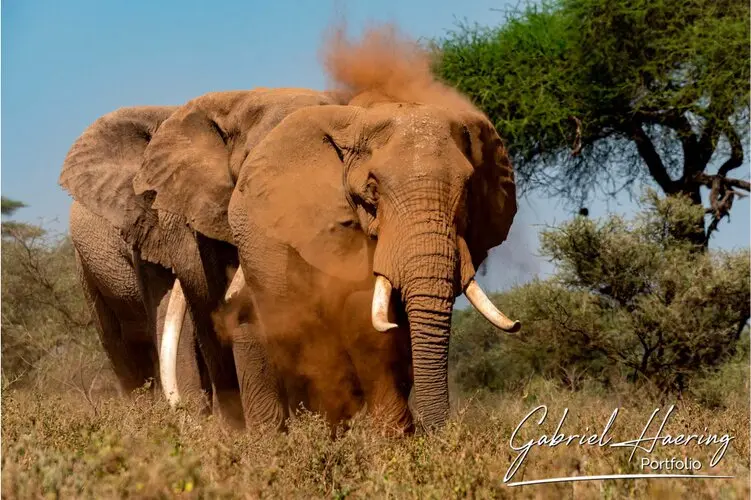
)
(57, 443)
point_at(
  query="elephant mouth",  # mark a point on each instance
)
(474, 293)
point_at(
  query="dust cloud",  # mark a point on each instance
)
(385, 65)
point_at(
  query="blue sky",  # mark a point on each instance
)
(64, 64)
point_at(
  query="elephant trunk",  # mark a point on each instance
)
(428, 293)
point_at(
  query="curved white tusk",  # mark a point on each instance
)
(379, 313)
(484, 306)
(238, 282)
(173, 323)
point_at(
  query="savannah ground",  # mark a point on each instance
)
(65, 434)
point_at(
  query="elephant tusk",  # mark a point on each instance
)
(484, 306)
(170, 339)
(379, 313)
(238, 282)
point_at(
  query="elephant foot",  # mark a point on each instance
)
(395, 426)
(228, 408)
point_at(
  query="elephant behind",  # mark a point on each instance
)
(129, 297)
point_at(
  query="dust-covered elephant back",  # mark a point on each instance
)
(191, 165)
(99, 169)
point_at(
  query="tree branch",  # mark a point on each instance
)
(728, 182)
(736, 152)
(722, 195)
(577, 148)
(709, 136)
(650, 156)
(693, 159)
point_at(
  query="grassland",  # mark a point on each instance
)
(79, 440)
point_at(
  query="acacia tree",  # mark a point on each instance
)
(9, 206)
(13, 229)
(605, 94)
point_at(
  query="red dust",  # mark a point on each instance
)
(385, 65)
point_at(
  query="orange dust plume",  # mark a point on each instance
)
(385, 65)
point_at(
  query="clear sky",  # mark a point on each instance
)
(65, 63)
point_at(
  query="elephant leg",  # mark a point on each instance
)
(128, 298)
(220, 365)
(333, 387)
(264, 397)
(132, 361)
(383, 364)
(307, 353)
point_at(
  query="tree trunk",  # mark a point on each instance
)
(697, 233)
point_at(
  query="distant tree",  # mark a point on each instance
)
(15, 229)
(10, 206)
(604, 94)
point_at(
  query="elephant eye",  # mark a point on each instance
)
(219, 131)
(467, 137)
(371, 192)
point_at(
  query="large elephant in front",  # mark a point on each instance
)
(216, 129)
(394, 200)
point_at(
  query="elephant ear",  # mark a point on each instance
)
(99, 169)
(492, 193)
(191, 164)
(292, 189)
(186, 169)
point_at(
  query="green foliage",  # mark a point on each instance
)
(720, 386)
(630, 298)
(9, 206)
(12, 228)
(623, 84)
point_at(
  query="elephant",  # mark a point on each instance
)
(391, 195)
(104, 170)
(131, 300)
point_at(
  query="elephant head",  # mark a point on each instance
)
(99, 170)
(191, 165)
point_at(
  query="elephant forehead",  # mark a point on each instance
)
(418, 131)
(418, 113)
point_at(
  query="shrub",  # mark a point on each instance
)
(44, 315)
(629, 298)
